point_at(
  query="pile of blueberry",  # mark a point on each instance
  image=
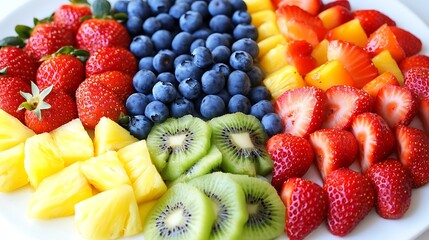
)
(195, 57)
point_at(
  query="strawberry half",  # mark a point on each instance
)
(306, 207)
(356, 61)
(334, 149)
(417, 80)
(344, 103)
(413, 151)
(302, 110)
(351, 197)
(384, 39)
(17, 63)
(371, 19)
(292, 156)
(311, 6)
(414, 61)
(299, 53)
(375, 139)
(343, 3)
(424, 113)
(409, 42)
(10, 99)
(111, 59)
(393, 185)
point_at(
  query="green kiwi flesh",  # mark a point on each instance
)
(264, 206)
(177, 144)
(241, 140)
(229, 203)
(183, 212)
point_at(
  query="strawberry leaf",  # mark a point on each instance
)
(79, 2)
(34, 101)
(23, 31)
(3, 71)
(12, 41)
(101, 8)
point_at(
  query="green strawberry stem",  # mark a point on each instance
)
(101, 8)
(79, 2)
(23, 31)
(81, 54)
(12, 41)
(3, 71)
(34, 100)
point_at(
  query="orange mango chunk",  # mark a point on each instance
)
(329, 74)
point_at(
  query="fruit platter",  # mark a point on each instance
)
(214, 119)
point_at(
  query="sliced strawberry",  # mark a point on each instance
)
(343, 3)
(354, 59)
(299, 55)
(334, 149)
(311, 6)
(413, 151)
(409, 42)
(335, 16)
(417, 80)
(375, 139)
(302, 110)
(424, 113)
(371, 19)
(292, 156)
(351, 197)
(393, 185)
(384, 39)
(344, 103)
(414, 61)
(306, 207)
(384, 79)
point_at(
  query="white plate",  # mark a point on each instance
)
(15, 225)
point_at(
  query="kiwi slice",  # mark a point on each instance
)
(177, 144)
(227, 200)
(183, 212)
(207, 164)
(241, 140)
(264, 206)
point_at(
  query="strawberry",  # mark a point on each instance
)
(417, 80)
(111, 59)
(343, 3)
(335, 16)
(414, 61)
(302, 110)
(94, 101)
(393, 185)
(384, 39)
(69, 16)
(413, 151)
(58, 108)
(10, 99)
(306, 207)
(424, 113)
(397, 105)
(384, 79)
(356, 61)
(119, 83)
(334, 149)
(17, 63)
(410, 43)
(292, 156)
(375, 139)
(311, 6)
(344, 103)
(371, 19)
(299, 53)
(351, 197)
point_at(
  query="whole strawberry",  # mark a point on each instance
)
(119, 83)
(111, 59)
(292, 156)
(69, 16)
(351, 197)
(10, 98)
(16, 63)
(306, 207)
(417, 80)
(418, 60)
(393, 185)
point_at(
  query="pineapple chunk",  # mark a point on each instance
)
(384, 62)
(254, 6)
(144, 209)
(12, 172)
(260, 17)
(109, 215)
(146, 180)
(12, 131)
(42, 158)
(70, 137)
(267, 29)
(283, 79)
(109, 135)
(269, 43)
(105, 171)
(275, 59)
(57, 194)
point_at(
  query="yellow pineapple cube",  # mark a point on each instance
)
(269, 43)
(320, 52)
(109, 135)
(261, 17)
(57, 194)
(105, 171)
(42, 158)
(267, 29)
(144, 209)
(71, 137)
(254, 6)
(12, 131)
(109, 215)
(146, 180)
(12, 171)
(384, 62)
(275, 59)
(283, 79)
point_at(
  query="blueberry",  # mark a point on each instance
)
(181, 43)
(221, 54)
(179, 59)
(164, 92)
(229, 37)
(247, 45)
(134, 25)
(261, 108)
(212, 82)
(151, 25)
(241, 17)
(197, 43)
(216, 39)
(121, 6)
(191, 21)
(181, 107)
(187, 69)
(221, 24)
(238, 5)
(139, 9)
(190, 88)
(140, 126)
(167, 77)
(167, 21)
(202, 57)
(161, 39)
(136, 103)
(222, 68)
(212, 106)
(259, 93)
(143, 81)
(169, 52)
(202, 33)
(256, 75)
(163, 62)
(238, 83)
(146, 63)
(245, 31)
(202, 7)
(178, 9)
(159, 6)
(141, 46)
(272, 124)
(217, 7)
(150, 97)
(156, 111)
(239, 103)
(241, 60)
(225, 96)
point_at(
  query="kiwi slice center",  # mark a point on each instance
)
(175, 220)
(242, 140)
(259, 213)
(177, 141)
